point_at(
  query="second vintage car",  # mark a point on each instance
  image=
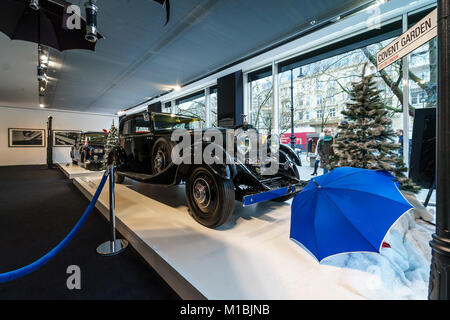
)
(89, 149)
(144, 154)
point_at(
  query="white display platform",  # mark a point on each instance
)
(74, 171)
(249, 257)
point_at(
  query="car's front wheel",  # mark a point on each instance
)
(210, 198)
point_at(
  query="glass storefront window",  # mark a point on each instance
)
(261, 103)
(167, 107)
(321, 90)
(423, 74)
(213, 108)
(193, 108)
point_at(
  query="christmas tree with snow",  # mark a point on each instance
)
(366, 140)
(111, 142)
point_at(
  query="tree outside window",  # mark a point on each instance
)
(261, 103)
(329, 81)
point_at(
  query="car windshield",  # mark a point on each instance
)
(172, 122)
(96, 137)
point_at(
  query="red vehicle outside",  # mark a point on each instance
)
(300, 139)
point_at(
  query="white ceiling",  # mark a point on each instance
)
(140, 57)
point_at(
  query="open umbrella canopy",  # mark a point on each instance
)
(346, 210)
(45, 26)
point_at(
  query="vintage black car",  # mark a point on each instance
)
(144, 154)
(89, 149)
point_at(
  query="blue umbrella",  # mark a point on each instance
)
(346, 210)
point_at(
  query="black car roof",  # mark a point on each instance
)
(151, 113)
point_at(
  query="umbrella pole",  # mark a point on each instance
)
(439, 287)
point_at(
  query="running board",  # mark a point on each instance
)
(269, 195)
(165, 177)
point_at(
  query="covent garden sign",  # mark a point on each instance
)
(422, 32)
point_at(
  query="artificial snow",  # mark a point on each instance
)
(399, 272)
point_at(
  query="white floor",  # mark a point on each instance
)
(251, 256)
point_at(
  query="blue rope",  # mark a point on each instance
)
(9, 276)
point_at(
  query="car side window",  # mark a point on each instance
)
(141, 125)
(126, 128)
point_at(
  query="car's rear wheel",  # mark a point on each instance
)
(161, 155)
(210, 198)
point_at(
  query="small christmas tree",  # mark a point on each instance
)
(111, 142)
(366, 140)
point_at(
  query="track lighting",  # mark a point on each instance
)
(91, 21)
(34, 4)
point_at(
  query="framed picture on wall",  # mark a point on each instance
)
(19, 138)
(65, 138)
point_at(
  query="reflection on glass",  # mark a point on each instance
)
(173, 122)
(213, 108)
(193, 108)
(320, 89)
(423, 73)
(261, 95)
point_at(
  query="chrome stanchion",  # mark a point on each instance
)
(114, 246)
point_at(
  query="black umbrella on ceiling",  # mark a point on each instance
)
(46, 26)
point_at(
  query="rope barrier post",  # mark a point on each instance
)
(114, 246)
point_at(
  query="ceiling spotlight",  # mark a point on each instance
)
(41, 105)
(119, 113)
(34, 4)
(176, 88)
(91, 21)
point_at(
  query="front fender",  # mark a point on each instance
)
(291, 153)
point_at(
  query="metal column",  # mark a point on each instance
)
(439, 288)
(50, 142)
(276, 101)
(292, 110)
(208, 107)
(405, 103)
(114, 246)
